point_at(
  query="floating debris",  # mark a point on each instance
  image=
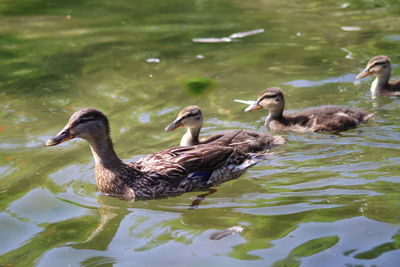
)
(153, 60)
(345, 5)
(229, 231)
(245, 34)
(247, 102)
(212, 40)
(350, 28)
(349, 54)
(229, 39)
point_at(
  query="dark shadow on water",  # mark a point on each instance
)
(55, 73)
(110, 220)
(195, 204)
(54, 235)
(381, 249)
(98, 261)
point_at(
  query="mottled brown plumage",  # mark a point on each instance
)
(168, 172)
(380, 67)
(324, 118)
(245, 140)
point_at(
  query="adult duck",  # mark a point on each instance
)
(168, 172)
(324, 118)
(191, 117)
(379, 66)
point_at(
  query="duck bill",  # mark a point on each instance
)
(254, 106)
(59, 138)
(363, 74)
(174, 125)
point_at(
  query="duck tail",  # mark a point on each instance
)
(277, 140)
(254, 158)
(367, 116)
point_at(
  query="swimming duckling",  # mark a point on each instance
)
(324, 118)
(168, 172)
(245, 140)
(379, 66)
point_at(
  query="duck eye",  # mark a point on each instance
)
(378, 63)
(268, 97)
(85, 119)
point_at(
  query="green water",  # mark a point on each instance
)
(322, 199)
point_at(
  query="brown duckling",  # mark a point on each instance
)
(247, 141)
(379, 66)
(168, 172)
(324, 118)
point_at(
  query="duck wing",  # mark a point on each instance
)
(179, 162)
(181, 169)
(250, 141)
(211, 138)
(393, 88)
(245, 140)
(331, 118)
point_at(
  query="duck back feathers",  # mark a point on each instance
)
(249, 141)
(181, 169)
(324, 118)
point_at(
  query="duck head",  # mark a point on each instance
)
(378, 66)
(87, 123)
(190, 117)
(271, 99)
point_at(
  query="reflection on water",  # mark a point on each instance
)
(320, 199)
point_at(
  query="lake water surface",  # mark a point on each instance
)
(321, 200)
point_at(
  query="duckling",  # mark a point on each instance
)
(165, 173)
(380, 67)
(324, 118)
(245, 140)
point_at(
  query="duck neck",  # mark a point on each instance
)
(379, 83)
(274, 114)
(191, 137)
(103, 152)
(111, 172)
